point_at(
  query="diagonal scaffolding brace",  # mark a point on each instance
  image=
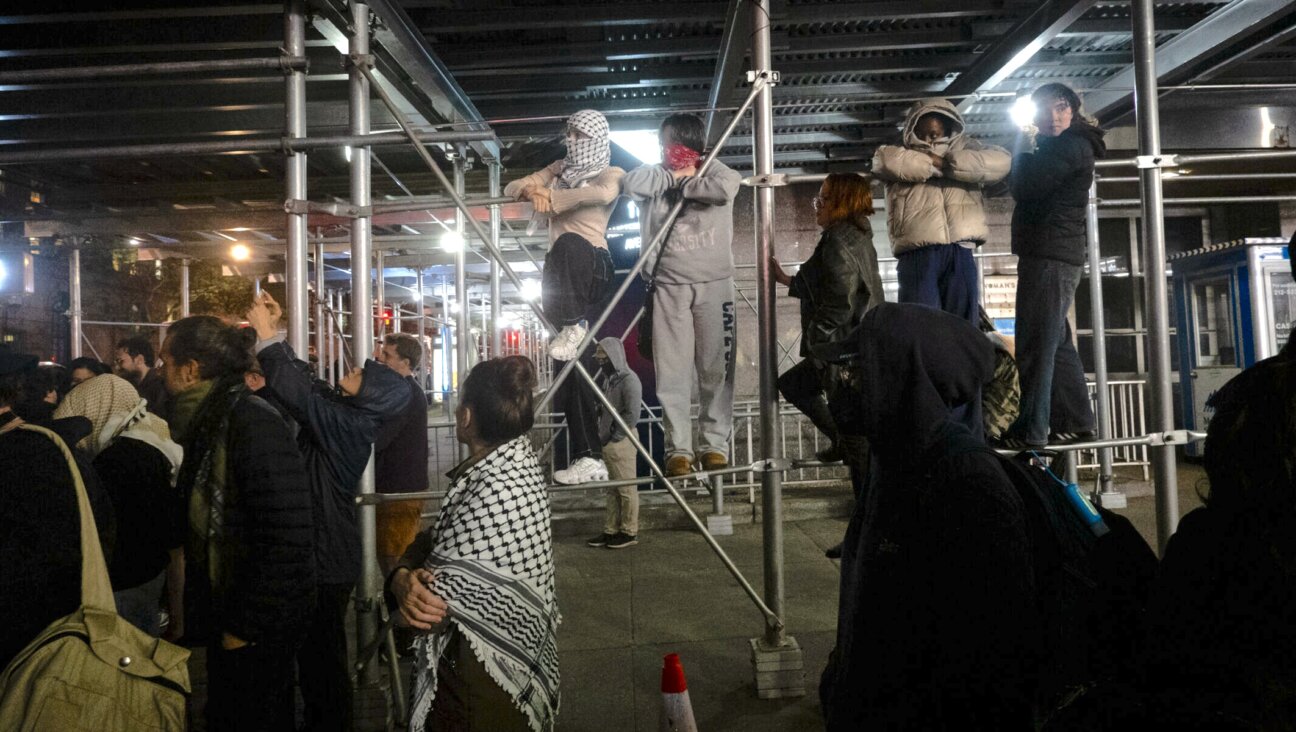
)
(773, 622)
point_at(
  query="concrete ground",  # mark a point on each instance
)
(622, 610)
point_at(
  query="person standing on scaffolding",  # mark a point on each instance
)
(692, 310)
(576, 195)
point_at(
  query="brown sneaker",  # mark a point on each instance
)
(677, 465)
(714, 461)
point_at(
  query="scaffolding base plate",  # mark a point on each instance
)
(779, 671)
(719, 524)
(1112, 500)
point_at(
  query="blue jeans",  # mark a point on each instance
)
(1054, 392)
(139, 605)
(944, 276)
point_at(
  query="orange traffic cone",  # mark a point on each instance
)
(677, 710)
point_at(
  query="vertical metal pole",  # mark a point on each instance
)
(1098, 320)
(297, 304)
(772, 449)
(493, 171)
(425, 364)
(321, 324)
(369, 588)
(462, 337)
(380, 296)
(447, 353)
(1147, 114)
(74, 301)
(184, 288)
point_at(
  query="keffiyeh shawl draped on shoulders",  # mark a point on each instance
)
(492, 558)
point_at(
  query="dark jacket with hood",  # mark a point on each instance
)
(337, 435)
(623, 389)
(401, 450)
(935, 622)
(1051, 187)
(838, 283)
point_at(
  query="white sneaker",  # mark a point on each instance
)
(584, 470)
(563, 347)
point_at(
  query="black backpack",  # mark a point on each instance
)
(1091, 591)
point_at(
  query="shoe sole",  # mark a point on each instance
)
(622, 546)
(591, 479)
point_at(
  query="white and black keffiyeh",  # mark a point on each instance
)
(492, 558)
(586, 156)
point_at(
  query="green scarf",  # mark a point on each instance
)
(201, 423)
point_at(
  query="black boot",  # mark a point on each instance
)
(821, 417)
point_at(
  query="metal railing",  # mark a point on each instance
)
(1125, 400)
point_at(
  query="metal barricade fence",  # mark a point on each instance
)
(1126, 406)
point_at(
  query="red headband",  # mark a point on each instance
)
(679, 157)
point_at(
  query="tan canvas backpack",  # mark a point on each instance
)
(93, 670)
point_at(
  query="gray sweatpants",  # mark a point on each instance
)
(693, 342)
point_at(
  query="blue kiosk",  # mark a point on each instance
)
(1236, 302)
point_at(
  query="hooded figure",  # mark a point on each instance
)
(623, 389)
(137, 463)
(935, 622)
(336, 439)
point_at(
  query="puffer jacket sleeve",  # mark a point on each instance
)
(978, 163)
(895, 163)
(539, 179)
(1038, 175)
(272, 579)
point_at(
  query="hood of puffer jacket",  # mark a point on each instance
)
(383, 392)
(944, 108)
(615, 351)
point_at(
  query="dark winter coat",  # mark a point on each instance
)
(40, 536)
(152, 388)
(1051, 187)
(837, 284)
(269, 534)
(401, 450)
(336, 438)
(935, 623)
(151, 513)
(623, 389)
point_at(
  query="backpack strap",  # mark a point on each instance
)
(96, 589)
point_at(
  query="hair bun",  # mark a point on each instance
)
(518, 374)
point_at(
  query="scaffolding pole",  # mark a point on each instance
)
(1107, 494)
(74, 300)
(289, 61)
(425, 359)
(493, 171)
(1147, 116)
(321, 327)
(296, 302)
(632, 434)
(184, 288)
(380, 298)
(370, 587)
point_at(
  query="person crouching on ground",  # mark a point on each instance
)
(936, 611)
(623, 388)
(576, 195)
(480, 581)
(693, 318)
(249, 557)
(836, 286)
(336, 437)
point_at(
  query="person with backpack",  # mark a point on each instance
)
(249, 553)
(692, 307)
(836, 286)
(137, 462)
(937, 622)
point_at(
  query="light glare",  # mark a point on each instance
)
(1023, 112)
(240, 253)
(452, 241)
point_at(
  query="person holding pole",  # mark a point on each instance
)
(692, 310)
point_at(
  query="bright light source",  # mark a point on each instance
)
(3, 273)
(451, 241)
(642, 144)
(530, 289)
(454, 307)
(134, 242)
(240, 253)
(1023, 112)
(346, 152)
(1266, 128)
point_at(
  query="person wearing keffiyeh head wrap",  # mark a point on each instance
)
(576, 195)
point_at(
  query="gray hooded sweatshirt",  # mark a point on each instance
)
(623, 389)
(699, 248)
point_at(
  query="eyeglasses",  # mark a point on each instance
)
(817, 202)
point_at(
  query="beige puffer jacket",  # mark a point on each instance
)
(926, 205)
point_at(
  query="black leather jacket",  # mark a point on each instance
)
(838, 284)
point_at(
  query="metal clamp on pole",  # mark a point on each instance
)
(1144, 162)
(771, 465)
(770, 180)
(358, 60)
(345, 210)
(289, 64)
(766, 77)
